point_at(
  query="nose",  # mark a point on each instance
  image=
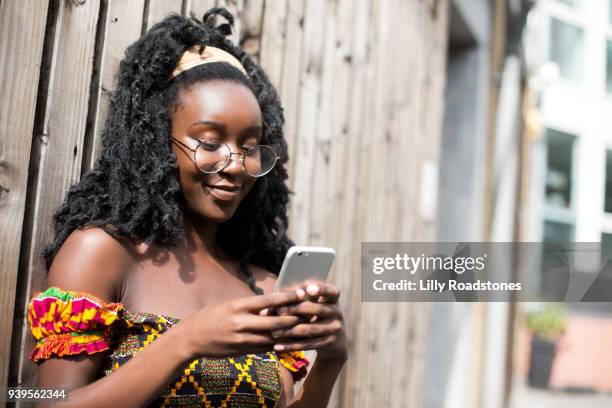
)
(235, 162)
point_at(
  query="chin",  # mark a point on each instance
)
(220, 218)
(210, 208)
(215, 213)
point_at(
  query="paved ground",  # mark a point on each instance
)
(525, 397)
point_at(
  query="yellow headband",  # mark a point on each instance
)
(192, 58)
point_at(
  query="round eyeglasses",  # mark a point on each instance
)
(212, 157)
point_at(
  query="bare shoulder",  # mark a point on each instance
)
(91, 260)
(264, 278)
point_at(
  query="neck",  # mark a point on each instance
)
(200, 234)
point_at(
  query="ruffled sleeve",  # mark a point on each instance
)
(66, 323)
(296, 362)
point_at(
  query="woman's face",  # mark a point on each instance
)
(221, 112)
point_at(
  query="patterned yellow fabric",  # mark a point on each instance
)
(66, 323)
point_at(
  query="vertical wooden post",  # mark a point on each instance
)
(18, 85)
(64, 119)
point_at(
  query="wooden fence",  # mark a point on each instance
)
(362, 85)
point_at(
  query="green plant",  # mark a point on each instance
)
(547, 323)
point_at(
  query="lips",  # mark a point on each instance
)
(224, 192)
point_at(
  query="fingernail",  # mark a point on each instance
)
(279, 347)
(312, 289)
(300, 293)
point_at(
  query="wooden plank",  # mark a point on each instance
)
(198, 7)
(158, 10)
(354, 45)
(273, 40)
(320, 174)
(309, 110)
(251, 29)
(122, 27)
(65, 116)
(404, 208)
(364, 340)
(376, 316)
(22, 49)
(432, 37)
(328, 137)
(333, 192)
(289, 86)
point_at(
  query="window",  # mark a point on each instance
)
(550, 285)
(608, 178)
(609, 66)
(560, 147)
(558, 232)
(567, 49)
(606, 248)
(559, 222)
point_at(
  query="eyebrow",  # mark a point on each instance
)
(222, 128)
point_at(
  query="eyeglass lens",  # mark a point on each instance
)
(213, 157)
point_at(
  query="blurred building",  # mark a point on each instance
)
(526, 156)
(470, 346)
(568, 152)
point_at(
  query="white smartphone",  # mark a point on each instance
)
(305, 262)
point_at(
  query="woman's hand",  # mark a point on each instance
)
(235, 327)
(322, 324)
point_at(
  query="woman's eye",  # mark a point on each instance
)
(209, 146)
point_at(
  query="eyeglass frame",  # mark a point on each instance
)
(229, 159)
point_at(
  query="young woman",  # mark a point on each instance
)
(165, 255)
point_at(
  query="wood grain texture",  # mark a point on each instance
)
(251, 28)
(199, 7)
(309, 110)
(361, 83)
(273, 39)
(18, 85)
(122, 27)
(65, 115)
(159, 9)
(289, 86)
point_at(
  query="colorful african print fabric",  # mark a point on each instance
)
(67, 323)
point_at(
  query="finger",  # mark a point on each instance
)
(308, 285)
(256, 303)
(269, 311)
(307, 308)
(299, 288)
(316, 288)
(309, 330)
(329, 292)
(253, 339)
(329, 300)
(310, 344)
(250, 323)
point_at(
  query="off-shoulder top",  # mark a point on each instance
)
(66, 323)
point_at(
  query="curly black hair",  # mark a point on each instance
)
(133, 190)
